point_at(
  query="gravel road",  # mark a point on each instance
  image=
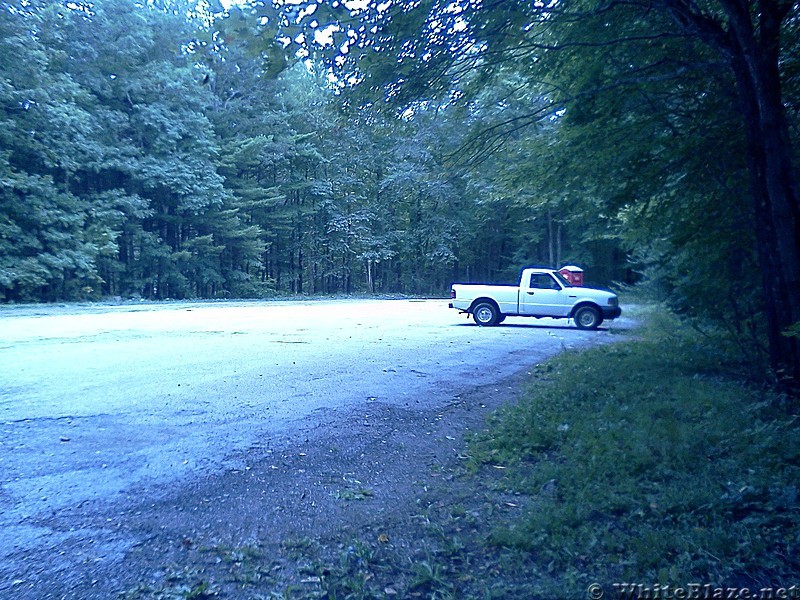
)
(124, 410)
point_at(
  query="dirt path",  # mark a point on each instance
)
(353, 506)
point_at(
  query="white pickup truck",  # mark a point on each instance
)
(541, 293)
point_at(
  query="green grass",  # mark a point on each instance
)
(646, 461)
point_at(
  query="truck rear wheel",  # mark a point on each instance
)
(485, 314)
(588, 317)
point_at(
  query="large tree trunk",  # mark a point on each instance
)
(777, 246)
(755, 59)
(750, 39)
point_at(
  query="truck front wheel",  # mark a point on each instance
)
(485, 314)
(588, 317)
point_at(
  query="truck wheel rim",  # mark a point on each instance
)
(484, 315)
(586, 318)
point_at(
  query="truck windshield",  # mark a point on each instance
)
(562, 279)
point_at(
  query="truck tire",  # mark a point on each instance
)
(485, 314)
(588, 317)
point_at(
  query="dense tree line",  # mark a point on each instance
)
(147, 151)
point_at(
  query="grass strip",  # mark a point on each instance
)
(648, 462)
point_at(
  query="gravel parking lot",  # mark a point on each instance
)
(121, 425)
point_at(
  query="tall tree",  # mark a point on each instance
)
(154, 153)
(44, 128)
(750, 37)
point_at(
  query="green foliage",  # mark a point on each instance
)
(659, 148)
(148, 151)
(643, 465)
(793, 331)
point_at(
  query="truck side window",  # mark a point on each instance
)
(543, 281)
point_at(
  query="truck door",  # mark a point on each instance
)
(543, 296)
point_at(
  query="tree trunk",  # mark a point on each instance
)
(300, 271)
(558, 264)
(754, 60)
(753, 51)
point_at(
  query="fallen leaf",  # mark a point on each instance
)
(383, 538)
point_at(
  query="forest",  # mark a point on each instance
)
(171, 149)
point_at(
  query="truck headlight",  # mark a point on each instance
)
(614, 301)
